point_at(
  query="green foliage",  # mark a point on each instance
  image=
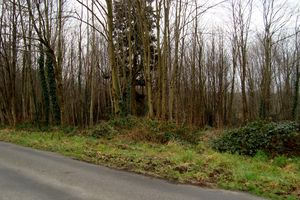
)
(46, 100)
(261, 156)
(102, 130)
(52, 87)
(127, 22)
(163, 132)
(280, 161)
(196, 164)
(124, 122)
(188, 156)
(274, 138)
(142, 129)
(171, 131)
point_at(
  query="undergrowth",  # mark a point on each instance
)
(167, 150)
(282, 138)
(141, 129)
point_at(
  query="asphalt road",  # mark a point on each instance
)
(27, 174)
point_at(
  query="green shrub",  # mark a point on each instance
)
(261, 155)
(168, 131)
(102, 130)
(274, 138)
(124, 122)
(154, 130)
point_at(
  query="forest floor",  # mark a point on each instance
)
(131, 147)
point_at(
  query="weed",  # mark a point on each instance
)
(280, 161)
(261, 156)
(188, 156)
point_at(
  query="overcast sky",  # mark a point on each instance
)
(220, 16)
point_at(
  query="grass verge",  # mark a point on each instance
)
(277, 178)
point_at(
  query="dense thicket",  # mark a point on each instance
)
(274, 138)
(77, 62)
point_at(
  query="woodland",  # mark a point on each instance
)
(78, 62)
(204, 92)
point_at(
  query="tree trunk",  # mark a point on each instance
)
(111, 52)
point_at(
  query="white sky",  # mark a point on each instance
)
(220, 16)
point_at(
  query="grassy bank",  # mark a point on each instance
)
(174, 155)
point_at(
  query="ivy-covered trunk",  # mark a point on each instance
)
(52, 87)
(46, 101)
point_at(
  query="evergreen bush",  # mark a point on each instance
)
(273, 138)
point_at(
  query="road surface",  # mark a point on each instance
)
(27, 174)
